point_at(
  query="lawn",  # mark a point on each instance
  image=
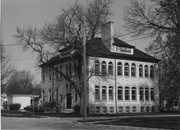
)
(148, 122)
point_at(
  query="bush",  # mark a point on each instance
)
(28, 108)
(36, 109)
(77, 108)
(15, 106)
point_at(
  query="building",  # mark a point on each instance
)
(23, 99)
(121, 77)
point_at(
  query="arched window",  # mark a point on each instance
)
(110, 68)
(111, 93)
(134, 109)
(142, 109)
(97, 67)
(111, 109)
(147, 109)
(146, 94)
(103, 68)
(104, 109)
(141, 94)
(133, 91)
(152, 71)
(140, 71)
(97, 93)
(104, 93)
(126, 69)
(152, 94)
(127, 109)
(127, 94)
(120, 93)
(133, 70)
(146, 71)
(120, 109)
(119, 68)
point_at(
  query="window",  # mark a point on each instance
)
(153, 109)
(128, 50)
(126, 69)
(70, 70)
(104, 93)
(67, 69)
(127, 109)
(119, 68)
(110, 68)
(103, 68)
(141, 94)
(97, 93)
(147, 109)
(152, 94)
(147, 94)
(133, 70)
(104, 109)
(61, 71)
(146, 71)
(97, 109)
(43, 96)
(57, 76)
(111, 109)
(97, 67)
(49, 74)
(110, 93)
(120, 93)
(152, 71)
(57, 95)
(133, 93)
(134, 109)
(142, 109)
(50, 95)
(127, 93)
(120, 109)
(140, 71)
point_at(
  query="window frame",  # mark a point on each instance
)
(111, 95)
(127, 93)
(133, 70)
(110, 68)
(126, 69)
(119, 69)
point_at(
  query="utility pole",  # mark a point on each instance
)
(85, 72)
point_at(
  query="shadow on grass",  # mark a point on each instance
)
(148, 122)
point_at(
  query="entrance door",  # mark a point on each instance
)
(68, 100)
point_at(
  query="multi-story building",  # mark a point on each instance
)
(122, 80)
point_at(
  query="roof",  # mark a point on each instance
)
(96, 48)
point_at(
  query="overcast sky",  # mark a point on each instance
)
(35, 13)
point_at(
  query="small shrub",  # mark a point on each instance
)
(28, 108)
(15, 106)
(77, 108)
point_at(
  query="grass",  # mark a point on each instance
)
(149, 122)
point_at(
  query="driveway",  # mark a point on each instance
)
(57, 123)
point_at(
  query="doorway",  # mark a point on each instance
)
(68, 100)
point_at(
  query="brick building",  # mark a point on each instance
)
(122, 80)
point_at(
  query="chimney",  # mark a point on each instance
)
(107, 35)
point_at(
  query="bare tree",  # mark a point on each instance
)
(6, 67)
(161, 20)
(66, 32)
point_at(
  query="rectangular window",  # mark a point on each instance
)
(127, 94)
(97, 94)
(104, 94)
(111, 93)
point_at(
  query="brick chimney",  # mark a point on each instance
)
(107, 35)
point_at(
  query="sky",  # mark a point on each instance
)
(35, 13)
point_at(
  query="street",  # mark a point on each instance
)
(58, 123)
